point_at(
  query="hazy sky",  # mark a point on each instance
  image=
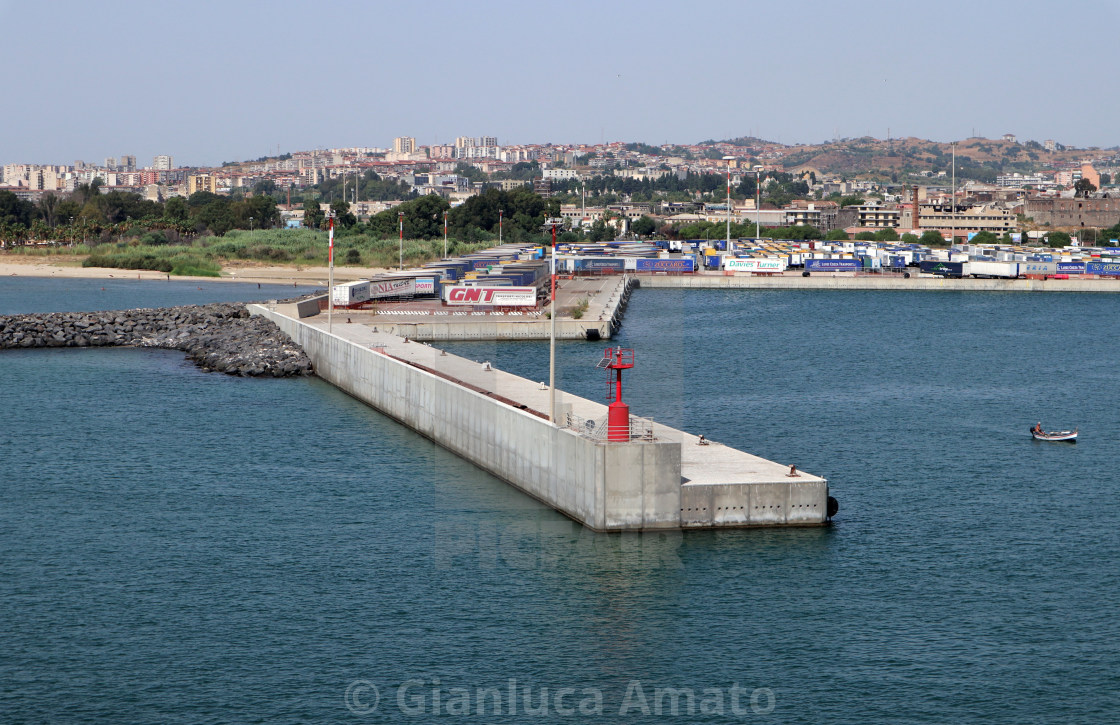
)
(214, 81)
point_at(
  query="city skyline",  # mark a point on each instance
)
(222, 83)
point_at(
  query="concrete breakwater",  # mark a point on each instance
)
(660, 478)
(217, 337)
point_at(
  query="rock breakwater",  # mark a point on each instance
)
(218, 337)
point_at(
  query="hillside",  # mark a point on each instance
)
(980, 158)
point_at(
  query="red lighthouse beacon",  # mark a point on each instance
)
(618, 415)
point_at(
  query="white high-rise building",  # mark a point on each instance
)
(162, 163)
(404, 145)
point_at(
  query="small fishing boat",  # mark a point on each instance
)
(1069, 436)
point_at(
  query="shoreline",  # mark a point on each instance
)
(69, 268)
(65, 267)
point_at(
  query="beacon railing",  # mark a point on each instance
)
(641, 429)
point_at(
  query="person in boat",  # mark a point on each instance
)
(1038, 427)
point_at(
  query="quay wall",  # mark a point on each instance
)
(607, 487)
(824, 281)
(493, 328)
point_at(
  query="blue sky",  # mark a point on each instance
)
(213, 81)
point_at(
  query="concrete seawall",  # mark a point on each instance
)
(826, 281)
(662, 479)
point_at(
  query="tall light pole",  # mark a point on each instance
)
(400, 215)
(953, 210)
(500, 212)
(330, 275)
(583, 215)
(445, 234)
(727, 247)
(758, 201)
(552, 224)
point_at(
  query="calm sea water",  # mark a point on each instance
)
(183, 547)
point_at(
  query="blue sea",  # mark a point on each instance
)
(183, 547)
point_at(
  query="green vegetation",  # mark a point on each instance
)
(178, 262)
(932, 238)
(1084, 187)
(1058, 239)
(643, 226)
(195, 235)
(718, 230)
(205, 255)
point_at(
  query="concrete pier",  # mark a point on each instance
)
(662, 479)
(605, 298)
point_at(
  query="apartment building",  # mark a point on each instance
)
(1018, 181)
(201, 182)
(560, 174)
(877, 216)
(978, 218)
(404, 145)
(820, 214)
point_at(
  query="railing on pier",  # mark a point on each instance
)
(641, 429)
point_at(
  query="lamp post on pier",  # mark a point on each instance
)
(330, 274)
(552, 224)
(727, 247)
(758, 201)
(400, 251)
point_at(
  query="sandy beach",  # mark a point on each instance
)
(67, 266)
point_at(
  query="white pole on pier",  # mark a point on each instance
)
(330, 276)
(552, 224)
(953, 211)
(727, 247)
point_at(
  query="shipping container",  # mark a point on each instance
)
(955, 270)
(351, 293)
(1030, 267)
(992, 269)
(832, 265)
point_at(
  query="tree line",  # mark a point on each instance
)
(89, 216)
(521, 213)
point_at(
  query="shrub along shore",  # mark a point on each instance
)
(207, 256)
